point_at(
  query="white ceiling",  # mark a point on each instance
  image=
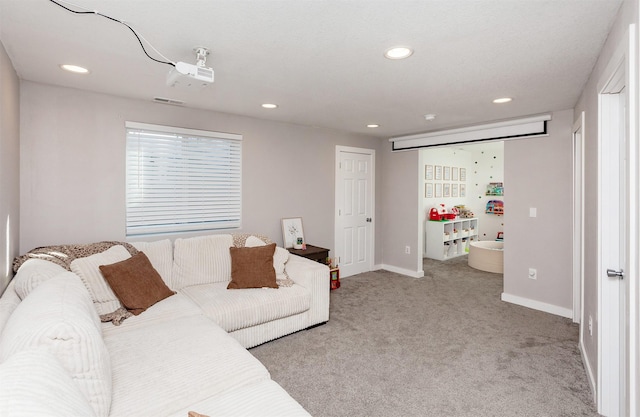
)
(322, 61)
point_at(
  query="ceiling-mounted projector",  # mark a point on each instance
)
(190, 75)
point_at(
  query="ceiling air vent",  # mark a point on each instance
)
(164, 100)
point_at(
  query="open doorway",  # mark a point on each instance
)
(471, 179)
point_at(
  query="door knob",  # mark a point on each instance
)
(615, 274)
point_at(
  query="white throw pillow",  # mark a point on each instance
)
(160, 254)
(201, 260)
(34, 383)
(59, 316)
(280, 256)
(104, 299)
(33, 273)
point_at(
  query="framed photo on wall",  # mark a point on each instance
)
(438, 190)
(446, 189)
(428, 172)
(437, 172)
(291, 231)
(447, 173)
(463, 174)
(428, 190)
(454, 190)
(463, 190)
(454, 173)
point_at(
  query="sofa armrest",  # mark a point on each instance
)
(314, 276)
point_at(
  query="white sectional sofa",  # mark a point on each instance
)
(188, 352)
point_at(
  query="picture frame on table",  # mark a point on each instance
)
(292, 230)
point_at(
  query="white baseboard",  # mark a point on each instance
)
(538, 305)
(589, 370)
(408, 272)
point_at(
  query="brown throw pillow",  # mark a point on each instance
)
(136, 283)
(252, 267)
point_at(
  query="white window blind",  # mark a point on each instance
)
(181, 180)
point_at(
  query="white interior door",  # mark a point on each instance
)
(613, 248)
(354, 209)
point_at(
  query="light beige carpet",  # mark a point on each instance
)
(442, 345)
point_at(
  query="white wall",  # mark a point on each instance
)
(73, 166)
(9, 167)
(398, 192)
(588, 103)
(538, 174)
(486, 166)
(451, 157)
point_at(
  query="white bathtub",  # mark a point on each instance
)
(487, 255)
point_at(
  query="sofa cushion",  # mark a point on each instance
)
(252, 267)
(59, 315)
(261, 398)
(32, 273)
(104, 299)
(34, 383)
(174, 307)
(234, 310)
(160, 253)
(280, 256)
(201, 260)
(166, 366)
(136, 283)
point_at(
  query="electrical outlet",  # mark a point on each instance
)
(590, 326)
(533, 273)
(407, 250)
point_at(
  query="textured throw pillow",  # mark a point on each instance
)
(280, 256)
(252, 267)
(104, 299)
(136, 283)
(34, 383)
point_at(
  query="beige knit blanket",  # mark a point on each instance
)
(63, 255)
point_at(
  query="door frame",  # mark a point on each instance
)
(617, 391)
(337, 201)
(578, 220)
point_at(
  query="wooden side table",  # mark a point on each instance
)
(315, 253)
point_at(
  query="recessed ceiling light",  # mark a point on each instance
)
(502, 100)
(74, 68)
(398, 52)
(373, 126)
(270, 106)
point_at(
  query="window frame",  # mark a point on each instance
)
(187, 142)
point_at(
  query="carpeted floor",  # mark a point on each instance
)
(442, 345)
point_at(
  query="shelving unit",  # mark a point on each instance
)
(451, 238)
